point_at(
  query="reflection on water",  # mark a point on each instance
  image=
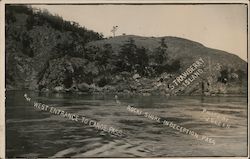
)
(34, 133)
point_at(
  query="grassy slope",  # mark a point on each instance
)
(188, 52)
(184, 49)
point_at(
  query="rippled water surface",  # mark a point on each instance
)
(34, 133)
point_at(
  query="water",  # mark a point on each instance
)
(34, 133)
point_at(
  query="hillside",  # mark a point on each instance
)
(187, 52)
(178, 48)
(46, 53)
(34, 39)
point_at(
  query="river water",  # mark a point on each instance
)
(34, 133)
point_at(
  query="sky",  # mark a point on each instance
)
(222, 26)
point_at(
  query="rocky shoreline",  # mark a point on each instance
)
(137, 85)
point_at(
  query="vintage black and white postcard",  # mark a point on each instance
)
(124, 79)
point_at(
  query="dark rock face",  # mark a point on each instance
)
(40, 54)
(46, 53)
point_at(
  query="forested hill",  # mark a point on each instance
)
(34, 39)
(46, 53)
(177, 48)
